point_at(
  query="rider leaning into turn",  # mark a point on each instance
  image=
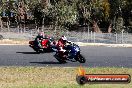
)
(61, 45)
(39, 38)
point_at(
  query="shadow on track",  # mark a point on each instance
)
(46, 62)
(28, 52)
(33, 52)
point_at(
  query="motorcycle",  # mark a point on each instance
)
(47, 46)
(72, 54)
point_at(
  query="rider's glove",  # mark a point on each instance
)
(61, 49)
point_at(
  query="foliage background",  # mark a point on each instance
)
(69, 14)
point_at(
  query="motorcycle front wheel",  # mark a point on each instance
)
(81, 59)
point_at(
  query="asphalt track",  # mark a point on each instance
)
(96, 56)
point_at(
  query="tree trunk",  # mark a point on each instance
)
(1, 24)
(110, 28)
(119, 25)
(96, 27)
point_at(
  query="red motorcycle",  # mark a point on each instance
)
(47, 46)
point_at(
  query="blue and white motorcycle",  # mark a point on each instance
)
(72, 54)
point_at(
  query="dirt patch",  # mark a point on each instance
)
(26, 42)
(9, 41)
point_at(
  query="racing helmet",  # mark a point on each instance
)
(41, 34)
(64, 39)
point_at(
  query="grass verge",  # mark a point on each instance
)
(54, 77)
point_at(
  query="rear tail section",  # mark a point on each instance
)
(31, 42)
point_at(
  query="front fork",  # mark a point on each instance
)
(77, 56)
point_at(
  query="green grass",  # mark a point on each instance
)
(77, 86)
(54, 77)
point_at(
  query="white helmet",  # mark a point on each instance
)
(41, 34)
(64, 38)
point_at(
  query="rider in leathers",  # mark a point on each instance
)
(38, 39)
(61, 47)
